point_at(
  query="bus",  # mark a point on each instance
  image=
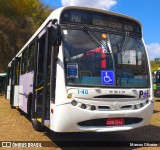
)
(156, 83)
(83, 70)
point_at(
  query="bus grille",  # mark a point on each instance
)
(114, 96)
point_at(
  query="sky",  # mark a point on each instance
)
(146, 11)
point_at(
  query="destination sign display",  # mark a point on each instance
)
(100, 19)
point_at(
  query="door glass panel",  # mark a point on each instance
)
(40, 78)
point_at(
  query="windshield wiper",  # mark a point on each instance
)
(96, 39)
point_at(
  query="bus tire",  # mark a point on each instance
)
(37, 125)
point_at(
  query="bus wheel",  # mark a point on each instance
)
(37, 125)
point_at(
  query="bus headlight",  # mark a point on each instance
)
(93, 107)
(83, 106)
(74, 103)
(138, 106)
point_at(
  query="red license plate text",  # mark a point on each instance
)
(115, 122)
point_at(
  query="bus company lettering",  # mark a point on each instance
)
(143, 94)
(117, 92)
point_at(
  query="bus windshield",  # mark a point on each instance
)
(89, 63)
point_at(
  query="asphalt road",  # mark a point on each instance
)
(14, 126)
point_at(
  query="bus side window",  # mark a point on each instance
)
(24, 61)
(17, 72)
(31, 57)
(41, 54)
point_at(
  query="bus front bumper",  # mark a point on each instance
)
(68, 118)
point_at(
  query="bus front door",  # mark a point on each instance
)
(41, 100)
(15, 71)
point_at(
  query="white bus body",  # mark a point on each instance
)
(98, 98)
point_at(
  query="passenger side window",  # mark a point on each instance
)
(31, 57)
(24, 61)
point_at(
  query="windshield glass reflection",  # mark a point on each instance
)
(87, 63)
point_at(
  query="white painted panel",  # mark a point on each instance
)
(16, 96)
(8, 92)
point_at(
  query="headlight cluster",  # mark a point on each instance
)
(107, 108)
(135, 106)
(83, 106)
(140, 105)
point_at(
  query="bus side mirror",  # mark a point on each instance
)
(54, 33)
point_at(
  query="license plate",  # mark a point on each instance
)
(115, 122)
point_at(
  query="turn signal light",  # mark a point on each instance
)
(70, 96)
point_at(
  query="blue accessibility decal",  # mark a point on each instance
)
(107, 77)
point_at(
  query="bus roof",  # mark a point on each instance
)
(56, 15)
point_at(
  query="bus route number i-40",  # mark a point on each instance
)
(85, 92)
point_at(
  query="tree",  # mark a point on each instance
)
(157, 60)
(6, 51)
(19, 20)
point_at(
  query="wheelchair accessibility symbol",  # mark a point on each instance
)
(107, 77)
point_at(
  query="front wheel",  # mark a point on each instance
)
(37, 125)
(35, 122)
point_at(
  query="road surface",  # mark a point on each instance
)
(14, 126)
